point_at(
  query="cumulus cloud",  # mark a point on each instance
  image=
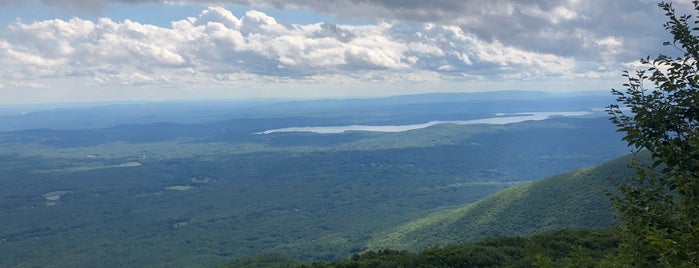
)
(24, 84)
(218, 46)
(562, 27)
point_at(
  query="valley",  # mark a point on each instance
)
(202, 194)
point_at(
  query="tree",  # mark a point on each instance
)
(659, 208)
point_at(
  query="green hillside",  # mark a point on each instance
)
(569, 201)
(565, 248)
(270, 260)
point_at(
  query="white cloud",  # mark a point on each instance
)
(25, 84)
(635, 65)
(257, 52)
(216, 45)
(218, 15)
(610, 45)
(512, 22)
(562, 13)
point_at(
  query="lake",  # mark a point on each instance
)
(499, 119)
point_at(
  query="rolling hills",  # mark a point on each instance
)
(566, 220)
(204, 189)
(198, 199)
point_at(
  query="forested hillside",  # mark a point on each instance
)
(566, 220)
(581, 248)
(569, 201)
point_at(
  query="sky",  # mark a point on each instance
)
(68, 51)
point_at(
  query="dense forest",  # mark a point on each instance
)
(575, 200)
(202, 194)
(580, 248)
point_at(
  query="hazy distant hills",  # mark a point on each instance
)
(569, 201)
(395, 109)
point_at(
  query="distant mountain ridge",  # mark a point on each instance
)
(415, 108)
(575, 200)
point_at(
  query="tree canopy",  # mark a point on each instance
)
(659, 112)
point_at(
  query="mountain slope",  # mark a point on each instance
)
(569, 201)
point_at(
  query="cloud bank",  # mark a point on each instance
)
(217, 45)
(509, 41)
(563, 27)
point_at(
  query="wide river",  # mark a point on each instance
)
(499, 119)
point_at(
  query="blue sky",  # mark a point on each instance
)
(112, 50)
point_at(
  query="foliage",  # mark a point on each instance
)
(581, 248)
(567, 201)
(309, 196)
(264, 261)
(659, 208)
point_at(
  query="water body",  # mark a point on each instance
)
(499, 119)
